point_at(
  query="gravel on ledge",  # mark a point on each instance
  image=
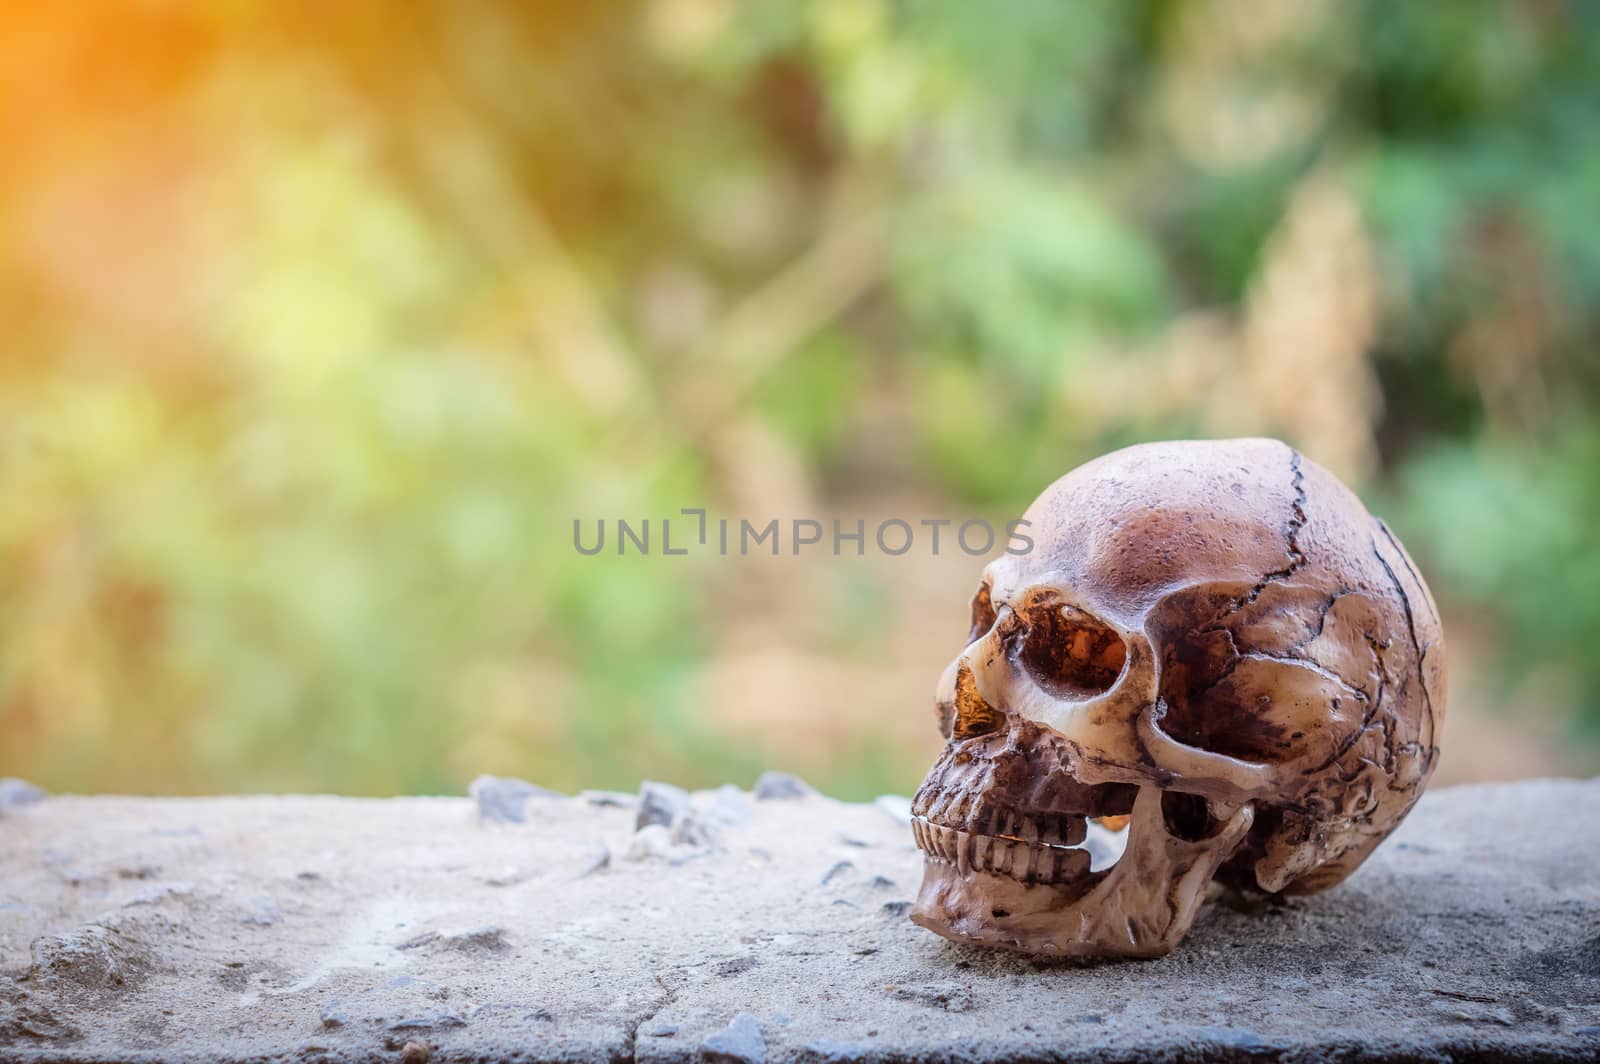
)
(725, 928)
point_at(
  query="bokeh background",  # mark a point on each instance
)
(322, 322)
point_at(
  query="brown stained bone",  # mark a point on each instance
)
(1214, 640)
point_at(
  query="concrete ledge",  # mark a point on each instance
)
(328, 929)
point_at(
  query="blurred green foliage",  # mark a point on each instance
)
(325, 321)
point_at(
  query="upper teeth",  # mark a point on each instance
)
(1016, 855)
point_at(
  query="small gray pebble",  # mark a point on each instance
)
(15, 793)
(419, 1023)
(781, 785)
(332, 1017)
(730, 807)
(661, 803)
(690, 829)
(503, 800)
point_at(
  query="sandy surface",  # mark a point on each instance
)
(305, 928)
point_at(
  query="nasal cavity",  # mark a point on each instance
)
(973, 715)
(1071, 654)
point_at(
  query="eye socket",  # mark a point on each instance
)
(983, 613)
(1069, 653)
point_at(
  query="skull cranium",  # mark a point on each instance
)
(1212, 643)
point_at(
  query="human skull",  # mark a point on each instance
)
(1211, 643)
